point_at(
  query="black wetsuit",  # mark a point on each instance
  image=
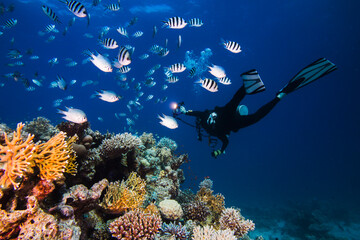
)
(228, 120)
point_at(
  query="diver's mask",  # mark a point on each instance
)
(211, 119)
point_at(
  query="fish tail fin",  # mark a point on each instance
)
(88, 19)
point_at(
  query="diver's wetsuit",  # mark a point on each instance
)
(228, 119)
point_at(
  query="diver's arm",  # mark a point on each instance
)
(194, 113)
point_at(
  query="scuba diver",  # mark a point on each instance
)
(233, 116)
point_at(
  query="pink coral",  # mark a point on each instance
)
(231, 219)
(135, 225)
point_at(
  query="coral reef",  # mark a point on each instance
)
(176, 231)
(127, 195)
(170, 209)
(119, 144)
(16, 157)
(231, 219)
(59, 188)
(209, 233)
(135, 225)
(41, 128)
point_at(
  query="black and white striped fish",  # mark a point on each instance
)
(172, 79)
(124, 56)
(51, 14)
(175, 23)
(192, 72)
(195, 22)
(49, 28)
(177, 68)
(77, 8)
(113, 7)
(232, 46)
(109, 43)
(138, 34)
(209, 84)
(10, 23)
(124, 69)
(122, 31)
(224, 80)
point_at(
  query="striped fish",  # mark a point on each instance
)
(192, 72)
(195, 22)
(113, 7)
(122, 31)
(209, 84)
(177, 68)
(232, 46)
(49, 28)
(172, 79)
(124, 56)
(138, 34)
(10, 23)
(77, 8)
(51, 14)
(109, 43)
(175, 23)
(124, 69)
(224, 80)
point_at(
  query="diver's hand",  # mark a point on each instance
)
(182, 110)
(216, 153)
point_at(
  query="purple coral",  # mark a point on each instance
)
(177, 231)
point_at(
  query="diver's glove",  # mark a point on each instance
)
(182, 110)
(216, 153)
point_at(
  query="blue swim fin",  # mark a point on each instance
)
(309, 74)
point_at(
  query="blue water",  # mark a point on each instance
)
(307, 148)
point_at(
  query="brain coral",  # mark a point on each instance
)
(171, 209)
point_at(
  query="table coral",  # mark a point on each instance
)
(15, 159)
(129, 194)
(135, 225)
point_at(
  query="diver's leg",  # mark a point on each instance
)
(244, 121)
(236, 99)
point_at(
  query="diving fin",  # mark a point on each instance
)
(252, 82)
(309, 74)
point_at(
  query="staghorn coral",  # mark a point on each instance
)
(119, 144)
(231, 219)
(52, 157)
(15, 159)
(135, 225)
(127, 195)
(176, 231)
(209, 233)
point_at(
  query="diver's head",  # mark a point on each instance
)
(212, 118)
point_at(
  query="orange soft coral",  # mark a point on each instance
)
(15, 159)
(127, 195)
(52, 157)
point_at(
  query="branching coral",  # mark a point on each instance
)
(135, 225)
(209, 233)
(119, 144)
(147, 140)
(231, 219)
(52, 157)
(127, 195)
(41, 128)
(15, 159)
(176, 231)
(216, 203)
(196, 210)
